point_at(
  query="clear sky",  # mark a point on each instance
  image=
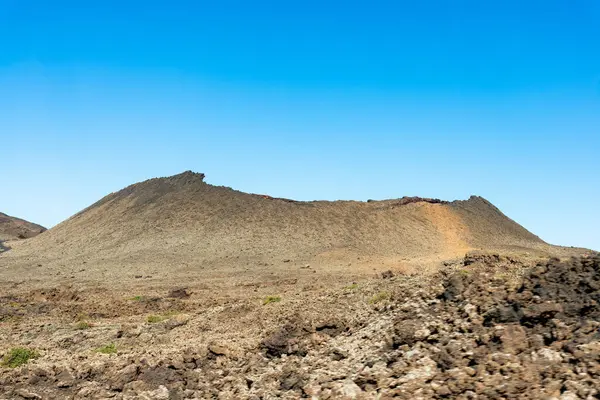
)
(308, 100)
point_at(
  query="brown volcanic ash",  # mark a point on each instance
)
(183, 218)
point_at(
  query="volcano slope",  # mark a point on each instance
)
(174, 288)
(182, 226)
(12, 228)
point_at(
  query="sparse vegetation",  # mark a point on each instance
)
(379, 297)
(171, 313)
(352, 287)
(153, 319)
(271, 299)
(137, 298)
(18, 356)
(108, 349)
(83, 325)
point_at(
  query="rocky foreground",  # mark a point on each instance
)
(487, 328)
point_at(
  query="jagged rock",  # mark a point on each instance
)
(220, 349)
(162, 393)
(346, 390)
(177, 321)
(179, 293)
(422, 334)
(287, 340)
(26, 394)
(513, 338)
(387, 274)
(124, 376)
(65, 379)
(569, 396)
(426, 369)
(547, 355)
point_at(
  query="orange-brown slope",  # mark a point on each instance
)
(490, 228)
(184, 218)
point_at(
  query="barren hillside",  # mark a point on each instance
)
(16, 228)
(182, 218)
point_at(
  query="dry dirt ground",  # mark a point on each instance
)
(176, 289)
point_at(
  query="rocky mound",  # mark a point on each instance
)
(14, 228)
(480, 334)
(182, 219)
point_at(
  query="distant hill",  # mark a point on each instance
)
(182, 219)
(16, 228)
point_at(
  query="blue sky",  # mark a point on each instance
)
(308, 100)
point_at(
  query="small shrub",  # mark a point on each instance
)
(379, 297)
(271, 299)
(18, 356)
(137, 298)
(108, 349)
(153, 319)
(82, 325)
(352, 287)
